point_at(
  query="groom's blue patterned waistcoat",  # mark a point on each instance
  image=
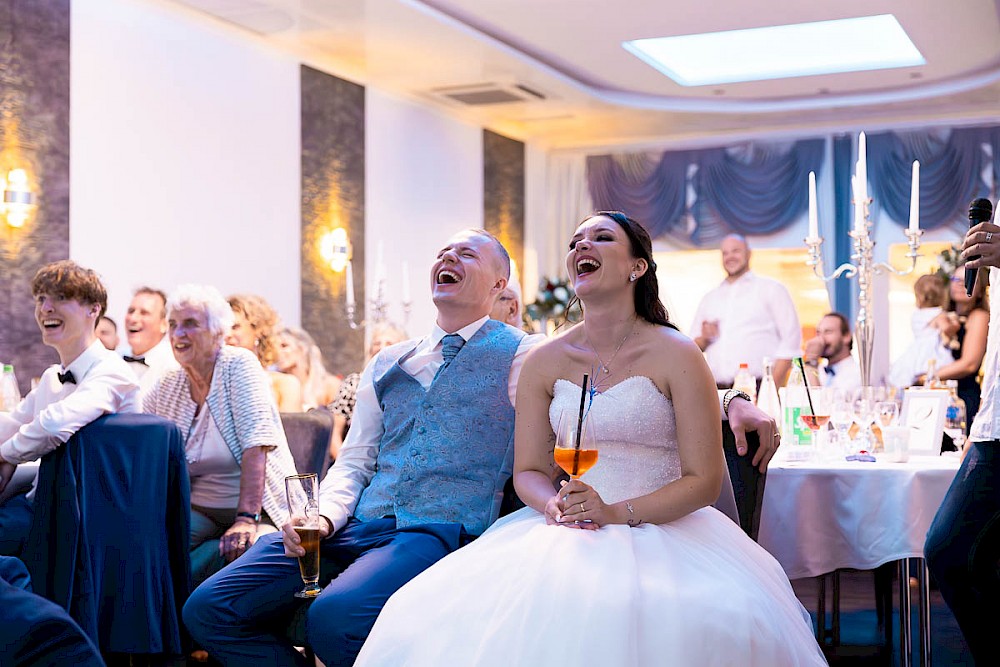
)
(447, 451)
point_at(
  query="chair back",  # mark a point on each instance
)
(111, 530)
(748, 482)
(308, 435)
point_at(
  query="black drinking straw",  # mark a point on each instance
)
(579, 424)
(805, 381)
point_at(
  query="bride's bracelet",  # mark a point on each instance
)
(631, 515)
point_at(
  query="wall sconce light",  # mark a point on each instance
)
(18, 200)
(335, 249)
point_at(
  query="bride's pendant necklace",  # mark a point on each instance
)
(605, 368)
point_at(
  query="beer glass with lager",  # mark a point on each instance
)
(303, 503)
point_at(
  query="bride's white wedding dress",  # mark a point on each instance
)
(696, 591)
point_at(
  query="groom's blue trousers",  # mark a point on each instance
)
(241, 613)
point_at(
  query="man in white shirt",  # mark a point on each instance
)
(421, 472)
(89, 381)
(746, 318)
(146, 332)
(833, 342)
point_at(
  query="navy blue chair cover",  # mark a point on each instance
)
(34, 630)
(110, 537)
(748, 481)
(308, 435)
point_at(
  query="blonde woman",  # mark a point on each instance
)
(299, 355)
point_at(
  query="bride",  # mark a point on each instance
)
(629, 565)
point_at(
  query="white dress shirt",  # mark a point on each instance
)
(846, 374)
(986, 425)
(757, 319)
(53, 412)
(159, 359)
(355, 466)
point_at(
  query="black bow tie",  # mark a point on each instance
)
(138, 360)
(67, 377)
(829, 370)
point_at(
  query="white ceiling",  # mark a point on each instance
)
(597, 94)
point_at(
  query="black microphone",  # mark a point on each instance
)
(980, 210)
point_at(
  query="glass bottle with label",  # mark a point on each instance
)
(10, 394)
(796, 438)
(955, 416)
(745, 381)
(767, 397)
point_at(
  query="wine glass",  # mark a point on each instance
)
(842, 416)
(864, 415)
(887, 412)
(575, 455)
(303, 503)
(820, 415)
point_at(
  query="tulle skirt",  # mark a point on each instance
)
(696, 591)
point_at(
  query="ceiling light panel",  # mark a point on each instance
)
(780, 52)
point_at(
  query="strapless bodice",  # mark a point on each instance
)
(636, 436)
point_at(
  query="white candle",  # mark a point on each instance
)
(915, 198)
(349, 283)
(863, 167)
(406, 282)
(813, 215)
(859, 208)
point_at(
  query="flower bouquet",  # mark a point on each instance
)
(553, 302)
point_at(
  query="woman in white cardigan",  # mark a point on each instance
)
(236, 450)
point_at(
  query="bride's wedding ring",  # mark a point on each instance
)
(989, 236)
(582, 508)
(566, 497)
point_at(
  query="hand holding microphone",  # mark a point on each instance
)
(979, 249)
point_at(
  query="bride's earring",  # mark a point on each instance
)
(631, 277)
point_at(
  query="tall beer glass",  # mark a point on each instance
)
(303, 504)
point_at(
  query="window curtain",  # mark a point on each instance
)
(952, 164)
(750, 189)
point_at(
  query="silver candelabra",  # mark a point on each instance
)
(378, 307)
(864, 268)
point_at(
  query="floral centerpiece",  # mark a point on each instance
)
(948, 261)
(552, 303)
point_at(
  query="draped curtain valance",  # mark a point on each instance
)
(695, 197)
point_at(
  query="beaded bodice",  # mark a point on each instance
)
(636, 435)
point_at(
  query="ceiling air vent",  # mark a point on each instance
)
(488, 93)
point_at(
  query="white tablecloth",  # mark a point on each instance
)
(821, 516)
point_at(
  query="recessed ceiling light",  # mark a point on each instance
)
(779, 52)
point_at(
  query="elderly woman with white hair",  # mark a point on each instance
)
(237, 455)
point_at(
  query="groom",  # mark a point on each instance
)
(421, 473)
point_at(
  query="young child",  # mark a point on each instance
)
(931, 294)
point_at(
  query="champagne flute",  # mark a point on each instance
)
(303, 503)
(575, 460)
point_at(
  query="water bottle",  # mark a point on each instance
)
(745, 381)
(955, 416)
(931, 379)
(796, 438)
(9, 392)
(767, 397)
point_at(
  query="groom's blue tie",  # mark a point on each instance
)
(450, 345)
